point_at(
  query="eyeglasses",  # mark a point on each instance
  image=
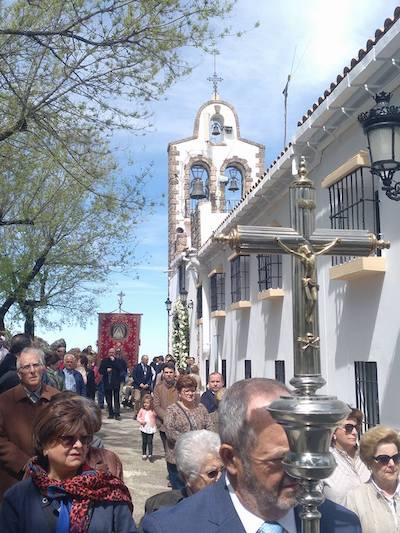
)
(69, 440)
(213, 474)
(33, 366)
(349, 428)
(385, 459)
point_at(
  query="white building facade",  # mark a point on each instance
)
(241, 319)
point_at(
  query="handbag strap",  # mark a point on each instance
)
(191, 425)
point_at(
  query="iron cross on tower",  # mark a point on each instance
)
(215, 79)
(308, 418)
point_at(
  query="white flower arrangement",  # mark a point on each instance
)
(180, 334)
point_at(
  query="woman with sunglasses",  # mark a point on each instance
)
(62, 493)
(350, 471)
(377, 502)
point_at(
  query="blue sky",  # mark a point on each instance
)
(320, 35)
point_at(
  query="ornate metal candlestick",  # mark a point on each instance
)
(309, 419)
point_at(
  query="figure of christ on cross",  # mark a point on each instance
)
(307, 256)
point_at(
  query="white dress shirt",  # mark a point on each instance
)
(252, 522)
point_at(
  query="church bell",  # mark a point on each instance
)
(216, 129)
(197, 192)
(233, 185)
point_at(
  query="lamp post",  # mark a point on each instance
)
(381, 125)
(168, 305)
(183, 295)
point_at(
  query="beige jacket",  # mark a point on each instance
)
(163, 397)
(374, 510)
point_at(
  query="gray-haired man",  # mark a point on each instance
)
(255, 495)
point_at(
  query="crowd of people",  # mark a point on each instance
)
(223, 450)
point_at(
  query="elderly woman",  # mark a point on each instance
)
(350, 472)
(377, 502)
(198, 463)
(186, 414)
(63, 494)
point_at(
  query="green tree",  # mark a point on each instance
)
(81, 232)
(95, 63)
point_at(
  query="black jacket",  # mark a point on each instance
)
(112, 380)
(8, 373)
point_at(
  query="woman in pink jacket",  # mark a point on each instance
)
(148, 426)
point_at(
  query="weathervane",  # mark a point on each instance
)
(215, 79)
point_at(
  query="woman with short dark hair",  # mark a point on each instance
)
(186, 414)
(63, 493)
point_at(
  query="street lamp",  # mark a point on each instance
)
(183, 294)
(381, 125)
(168, 306)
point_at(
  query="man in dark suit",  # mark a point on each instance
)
(111, 369)
(255, 494)
(142, 378)
(215, 383)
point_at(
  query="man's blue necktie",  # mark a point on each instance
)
(270, 527)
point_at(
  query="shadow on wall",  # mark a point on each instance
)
(272, 313)
(357, 304)
(242, 333)
(389, 411)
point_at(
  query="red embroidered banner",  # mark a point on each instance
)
(120, 330)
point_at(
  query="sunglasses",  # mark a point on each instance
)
(69, 440)
(385, 459)
(349, 428)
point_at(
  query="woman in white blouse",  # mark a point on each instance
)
(377, 502)
(350, 472)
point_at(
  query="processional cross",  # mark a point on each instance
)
(308, 418)
(120, 301)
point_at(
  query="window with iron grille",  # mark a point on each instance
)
(354, 204)
(217, 287)
(269, 272)
(240, 284)
(247, 368)
(280, 371)
(367, 398)
(199, 302)
(181, 278)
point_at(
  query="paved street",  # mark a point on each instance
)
(143, 478)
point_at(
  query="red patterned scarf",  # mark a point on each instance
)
(84, 490)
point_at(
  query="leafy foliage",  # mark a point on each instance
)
(81, 232)
(95, 63)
